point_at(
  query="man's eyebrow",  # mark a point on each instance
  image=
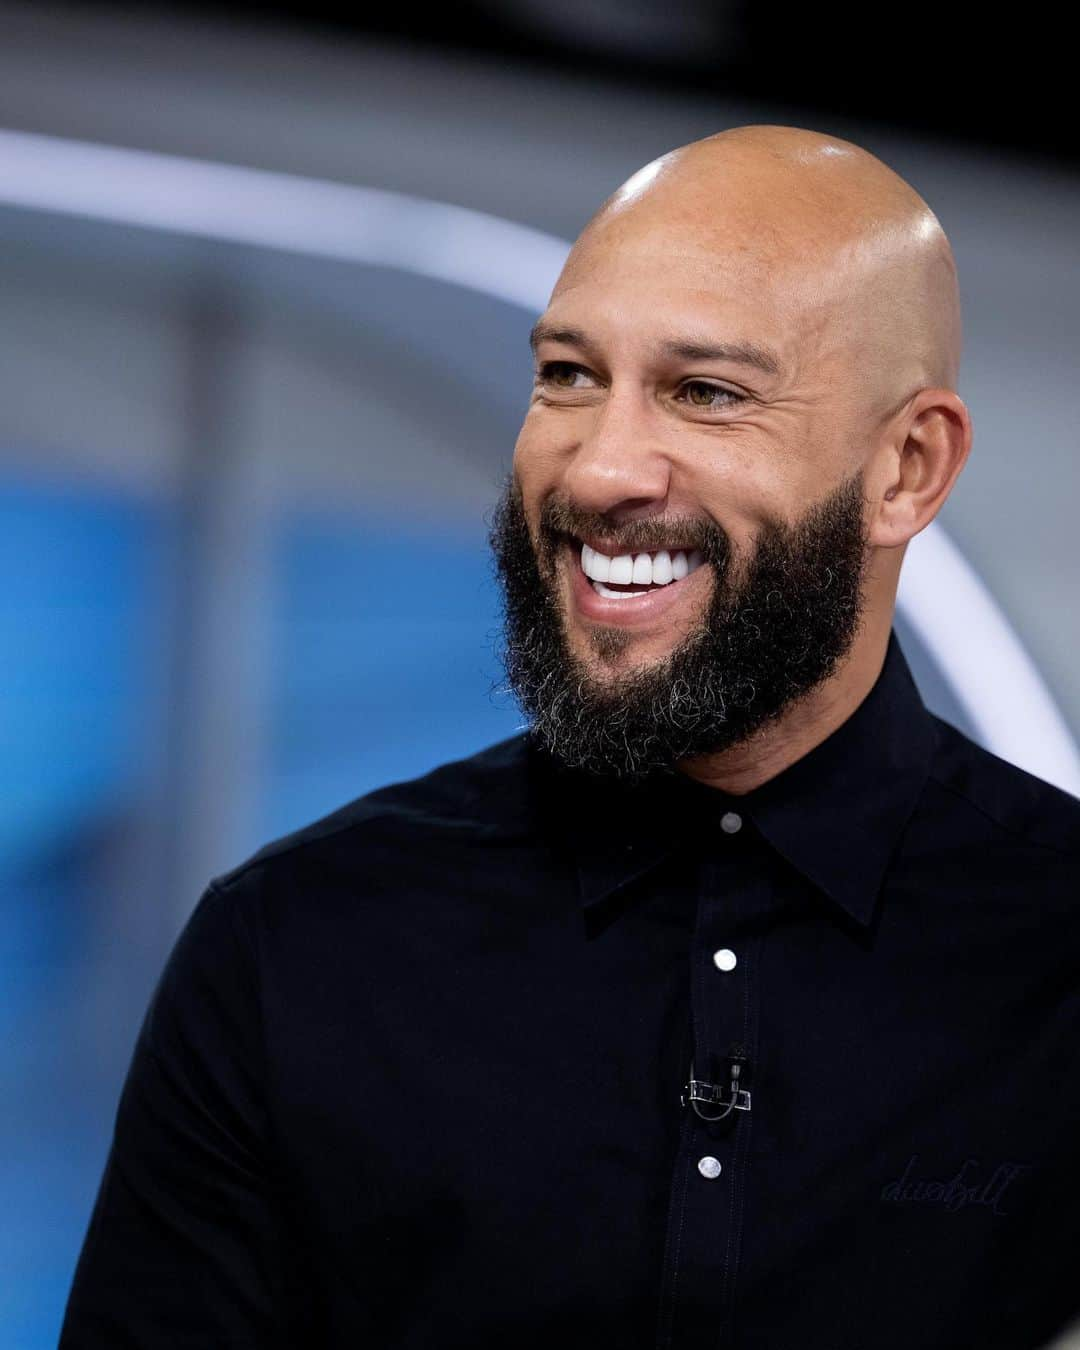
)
(546, 332)
(744, 353)
(687, 349)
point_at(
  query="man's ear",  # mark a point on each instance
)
(918, 465)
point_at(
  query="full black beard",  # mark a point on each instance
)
(765, 641)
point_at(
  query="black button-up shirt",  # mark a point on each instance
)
(418, 1075)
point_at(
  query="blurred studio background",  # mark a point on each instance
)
(266, 276)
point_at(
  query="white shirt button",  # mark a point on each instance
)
(724, 959)
(709, 1168)
(731, 822)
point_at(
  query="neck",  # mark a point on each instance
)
(806, 724)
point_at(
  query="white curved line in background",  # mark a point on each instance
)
(988, 669)
(283, 211)
(955, 616)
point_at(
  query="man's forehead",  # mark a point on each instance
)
(681, 291)
(696, 256)
(741, 259)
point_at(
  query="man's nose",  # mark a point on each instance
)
(618, 465)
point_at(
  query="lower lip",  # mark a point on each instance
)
(641, 611)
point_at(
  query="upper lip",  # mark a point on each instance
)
(611, 550)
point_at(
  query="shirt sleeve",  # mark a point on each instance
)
(185, 1243)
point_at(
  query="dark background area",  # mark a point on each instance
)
(981, 74)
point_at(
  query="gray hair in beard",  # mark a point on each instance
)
(768, 637)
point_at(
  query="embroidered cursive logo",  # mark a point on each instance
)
(970, 1186)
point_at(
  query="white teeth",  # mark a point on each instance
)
(642, 574)
(601, 589)
(642, 569)
(595, 565)
(622, 570)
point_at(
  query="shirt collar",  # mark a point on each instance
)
(835, 815)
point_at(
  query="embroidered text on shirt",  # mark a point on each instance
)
(964, 1189)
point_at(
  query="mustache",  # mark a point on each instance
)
(559, 518)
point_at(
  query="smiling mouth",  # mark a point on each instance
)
(626, 575)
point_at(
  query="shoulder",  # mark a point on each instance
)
(381, 865)
(482, 797)
(1000, 800)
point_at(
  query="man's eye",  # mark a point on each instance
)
(711, 397)
(562, 375)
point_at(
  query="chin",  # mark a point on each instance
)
(609, 653)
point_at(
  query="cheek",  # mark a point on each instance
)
(536, 455)
(759, 486)
(531, 492)
(532, 486)
(740, 498)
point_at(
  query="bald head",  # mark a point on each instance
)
(858, 256)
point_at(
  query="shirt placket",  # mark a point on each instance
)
(706, 1209)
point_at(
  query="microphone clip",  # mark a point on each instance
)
(728, 1099)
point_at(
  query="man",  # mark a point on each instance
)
(733, 1004)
